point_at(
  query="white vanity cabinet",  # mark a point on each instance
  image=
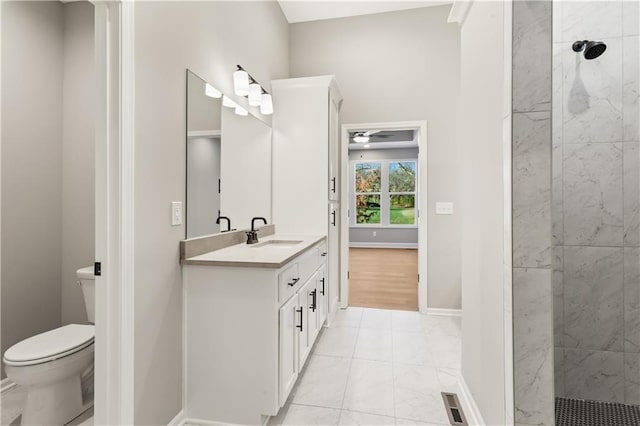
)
(306, 164)
(248, 332)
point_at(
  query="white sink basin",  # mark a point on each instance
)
(283, 244)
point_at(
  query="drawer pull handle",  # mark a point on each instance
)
(322, 281)
(333, 218)
(300, 326)
(323, 254)
(313, 304)
(292, 283)
(333, 184)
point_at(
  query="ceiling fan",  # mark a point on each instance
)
(363, 137)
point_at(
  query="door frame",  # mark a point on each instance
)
(114, 220)
(421, 126)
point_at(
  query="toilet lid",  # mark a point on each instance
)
(50, 345)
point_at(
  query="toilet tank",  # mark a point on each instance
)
(86, 279)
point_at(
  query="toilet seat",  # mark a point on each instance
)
(50, 345)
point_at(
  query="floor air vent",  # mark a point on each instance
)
(454, 409)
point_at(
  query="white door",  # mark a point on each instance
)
(322, 289)
(289, 320)
(303, 326)
(334, 255)
(334, 152)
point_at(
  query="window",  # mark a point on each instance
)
(384, 193)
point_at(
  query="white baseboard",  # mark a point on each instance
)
(178, 420)
(474, 417)
(385, 245)
(199, 422)
(6, 385)
(444, 312)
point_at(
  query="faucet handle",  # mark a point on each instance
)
(252, 237)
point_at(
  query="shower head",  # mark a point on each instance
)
(590, 49)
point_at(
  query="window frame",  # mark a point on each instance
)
(385, 194)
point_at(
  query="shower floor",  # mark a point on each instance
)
(578, 412)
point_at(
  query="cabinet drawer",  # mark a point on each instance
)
(289, 281)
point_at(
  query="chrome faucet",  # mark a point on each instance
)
(228, 223)
(252, 236)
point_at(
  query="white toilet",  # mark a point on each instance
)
(49, 365)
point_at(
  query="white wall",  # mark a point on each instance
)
(483, 219)
(78, 165)
(400, 66)
(209, 38)
(32, 65)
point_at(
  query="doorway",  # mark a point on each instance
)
(384, 190)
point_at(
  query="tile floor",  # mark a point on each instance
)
(377, 367)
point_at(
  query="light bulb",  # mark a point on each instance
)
(255, 94)
(241, 83)
(361, 139)
(367, 146)
(212, 92)
(227, 102)
(241, 111)
(266, 106)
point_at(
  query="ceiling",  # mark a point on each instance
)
(315, 10)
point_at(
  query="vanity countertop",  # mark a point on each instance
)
(261, 255)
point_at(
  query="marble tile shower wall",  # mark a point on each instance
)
(596, 203)
(531, 215)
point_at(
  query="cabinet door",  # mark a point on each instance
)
(333, 257)
(334, 152)
(322, 299)
(289, 316)
(304, 342)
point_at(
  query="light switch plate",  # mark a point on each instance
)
(176, 213)
(444, 208)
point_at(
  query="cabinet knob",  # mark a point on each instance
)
(323, 254)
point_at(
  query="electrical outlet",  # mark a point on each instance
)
(176, 213)
(375, 234)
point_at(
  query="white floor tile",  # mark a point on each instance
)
(350, 317)
(407, 321)
(411, 348)
(448, 379)
(407, 422)
(417, 394)
(446, 351)
(441, 325)
(337, 342)
(353, 418)
(323, 383)
(303, 415)
(379, 319)
(374, 345)
(370, 388)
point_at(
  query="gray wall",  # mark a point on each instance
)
(388, 234)
(213, 37)
(78, 165)
(482, 159)
(47, 164)
(381, 62)
(32, 75)
(596, 240)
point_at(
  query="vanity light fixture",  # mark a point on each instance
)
(361, 139)
(241, 111)
(367, 146)
(241, 82)
(246, 85)
(255, 94)
(227, 102)
(212, 92)
(266, 106)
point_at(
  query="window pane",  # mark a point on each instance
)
(368, 208)
(402, 176)
(402, 210)
(368, 177)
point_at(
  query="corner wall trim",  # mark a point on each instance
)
(445, 312)
(384, 245)
(474, 417)
(459, 11)
(178, 420)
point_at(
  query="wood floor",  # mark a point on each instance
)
(383, 278)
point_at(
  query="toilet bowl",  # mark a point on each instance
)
(50, 366)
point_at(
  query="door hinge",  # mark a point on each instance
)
(97, 269)
(219, 186)
(418, 277)
(347, 274)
